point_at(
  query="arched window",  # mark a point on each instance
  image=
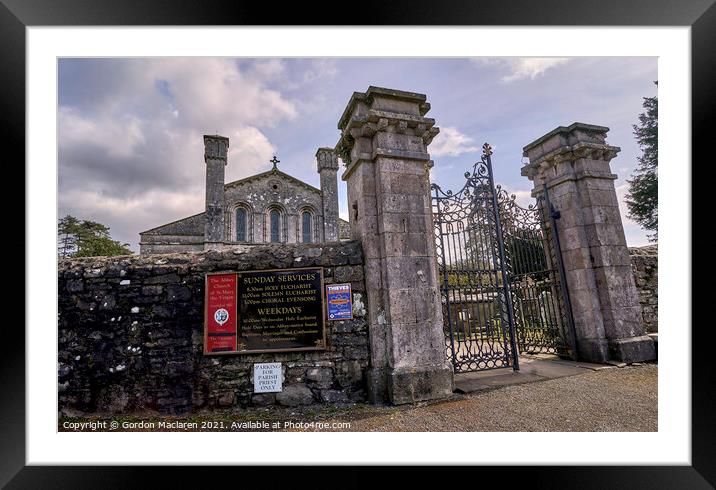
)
(275, 218)
(306, 227)
(241, 225)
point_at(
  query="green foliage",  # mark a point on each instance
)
(342, 149)
(526, 255)
(85, 238)
(642, 196)
(67, 230)
(473, 280)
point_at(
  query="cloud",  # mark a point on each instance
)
(522, 197)
(272, 67)
(304, 77)
(214, 92)
(119, 137)
(320, 68)
(127, 217)
(249, 152)
(522, 68)
(130, 132)
(450, 141)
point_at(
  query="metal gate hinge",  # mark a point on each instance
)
(554, 213)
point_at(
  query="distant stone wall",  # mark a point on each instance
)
(184, 235)
(644, 264)
(166, 244)
(131, 334)
(344, 229)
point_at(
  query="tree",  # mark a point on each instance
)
(87, 239)
(526, 256)
(642, 196)
(67, 230)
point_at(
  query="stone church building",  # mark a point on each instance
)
(270, 207)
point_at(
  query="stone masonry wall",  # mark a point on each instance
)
(165, 244)
(131, 334)
(644, 264)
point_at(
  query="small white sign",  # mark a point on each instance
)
(268, 377)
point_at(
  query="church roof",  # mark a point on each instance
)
(274, 171)
(189, 226)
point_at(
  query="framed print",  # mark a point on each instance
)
(441, 226)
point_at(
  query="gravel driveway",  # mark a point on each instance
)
(617, 399)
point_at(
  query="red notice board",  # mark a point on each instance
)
(220, 313)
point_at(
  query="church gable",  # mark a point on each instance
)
(273, 174)
(272, 207)
(275, 189)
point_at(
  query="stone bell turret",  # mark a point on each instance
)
(215, 150)
(327, 161)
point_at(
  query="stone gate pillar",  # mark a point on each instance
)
(384, 140)
(573, 163)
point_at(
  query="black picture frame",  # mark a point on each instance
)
(16, 15)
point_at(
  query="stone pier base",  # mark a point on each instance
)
(633, 349)
(408, 385)
(593, 350)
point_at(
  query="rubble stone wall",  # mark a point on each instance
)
(131, 334)
(645, 265)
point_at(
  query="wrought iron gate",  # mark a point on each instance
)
(542, 321)
(500, 269)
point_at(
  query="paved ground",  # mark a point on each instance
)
(539, 367)
(615, 399)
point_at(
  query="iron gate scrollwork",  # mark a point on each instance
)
(499, 271)
(541, 324)
(477, 310)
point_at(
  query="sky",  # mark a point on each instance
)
(130, 145)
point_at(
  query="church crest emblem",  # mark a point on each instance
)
(221, 316)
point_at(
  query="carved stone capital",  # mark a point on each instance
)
(589, 151)
(571, 143)
(429, 135)
(326, 159)
(215, 147)
(372, 122)
(385, 122)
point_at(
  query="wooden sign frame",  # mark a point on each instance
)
(322, 317)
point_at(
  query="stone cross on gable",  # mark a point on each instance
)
(274, 160)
